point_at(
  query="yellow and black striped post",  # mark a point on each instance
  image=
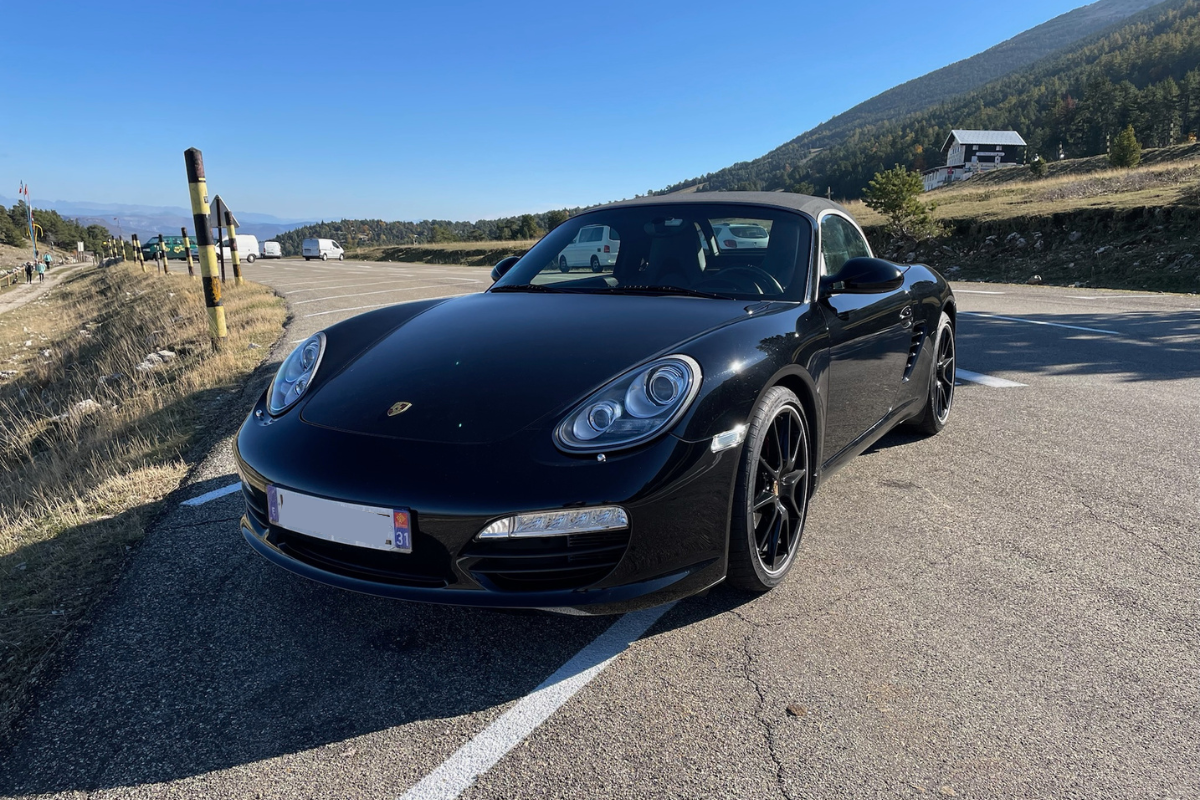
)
(198, 188)
(187, 248)
(162, 248)
(137, 253)
(233, 251)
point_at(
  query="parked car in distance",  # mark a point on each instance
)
(271, 250)
(247, 245)
(174, 246)
(323, 249)
(595, 246)
(741, 235)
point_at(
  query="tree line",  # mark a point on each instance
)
(1144, 73)
(374, 232)
(55, 230)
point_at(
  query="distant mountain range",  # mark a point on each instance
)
(149, 221)
(788, 165)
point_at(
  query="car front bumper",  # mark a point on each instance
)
(677, 496)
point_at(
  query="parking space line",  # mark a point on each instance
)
(368, 283)
(1039, 322)
(975, 291)
(460, 770)
(364, 294)
(986, 380)
(379, 305)
(213, 495)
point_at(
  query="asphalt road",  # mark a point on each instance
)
(1005, 610)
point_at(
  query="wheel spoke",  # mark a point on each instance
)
(774, 473)
(763, 500)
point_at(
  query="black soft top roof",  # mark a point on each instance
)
(805, 204)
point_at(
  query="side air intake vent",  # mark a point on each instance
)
(914, 349)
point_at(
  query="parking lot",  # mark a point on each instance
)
(1006, 609)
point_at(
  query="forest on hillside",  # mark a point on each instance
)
(1145, 73)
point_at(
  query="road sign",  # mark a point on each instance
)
(213, 221)
(79, 247)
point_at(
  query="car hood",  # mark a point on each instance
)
(480, 368)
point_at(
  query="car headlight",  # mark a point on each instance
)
(296, 374)
(632, 409)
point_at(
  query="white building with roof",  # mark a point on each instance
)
(972, 152)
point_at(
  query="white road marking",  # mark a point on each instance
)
(1039, 322)
(975, 291)
(1109, 296)
(213, 495)
(986, 380)
(339, 283)
(378, 305)
(459, 771)
(364, 294)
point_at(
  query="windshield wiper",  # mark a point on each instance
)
(536, 287)
(659, 291)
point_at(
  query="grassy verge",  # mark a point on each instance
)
(93, 436)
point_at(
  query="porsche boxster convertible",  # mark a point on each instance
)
(599, 440)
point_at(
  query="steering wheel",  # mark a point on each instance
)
(749, 280)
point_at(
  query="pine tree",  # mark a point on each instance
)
(1126, 152)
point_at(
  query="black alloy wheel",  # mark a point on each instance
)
(771, 495)
(595, 264)
(936, 411)
(562, 264)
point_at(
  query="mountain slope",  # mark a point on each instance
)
(938, 86)
(1144, 71)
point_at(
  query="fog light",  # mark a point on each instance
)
(557, 523)
(728, 439)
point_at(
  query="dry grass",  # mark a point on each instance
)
(1150, 186)
(90, 444)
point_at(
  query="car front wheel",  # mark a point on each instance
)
(770, 499)
(936, 411)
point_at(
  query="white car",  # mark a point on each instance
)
(271, 250)
(741, 235)
(247, 245)
(323, 249)
(595, 246)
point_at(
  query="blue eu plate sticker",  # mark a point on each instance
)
(272, 505)
(401, 529)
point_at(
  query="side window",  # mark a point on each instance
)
(338, 246)
(613, 235)
(840, 242)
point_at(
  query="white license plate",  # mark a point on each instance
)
(345, 523)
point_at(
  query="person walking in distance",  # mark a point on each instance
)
(41, 270)
(29, 272)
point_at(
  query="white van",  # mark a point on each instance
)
(271, 250)
(247, 248)
(595, 246)
(323, 249)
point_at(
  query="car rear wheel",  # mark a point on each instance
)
(770, 499)
(250, 259)
(940, 398)
(595, 264)
(324, 256)
(562, 264)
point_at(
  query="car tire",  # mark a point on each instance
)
(939, 399)
(778, 483)
(563, 266)
(324, 256)
(306, 258)
(595, 264)
(341, 257)
(250, 259)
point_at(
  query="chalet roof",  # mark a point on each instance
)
(983, 137)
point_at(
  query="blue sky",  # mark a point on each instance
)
(459, 110)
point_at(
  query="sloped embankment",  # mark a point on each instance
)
(1118, 248)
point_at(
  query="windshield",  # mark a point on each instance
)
(700, 249)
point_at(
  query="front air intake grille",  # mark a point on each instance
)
(914, 349)
(548, 563)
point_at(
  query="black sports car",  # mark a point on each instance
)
(605, 439)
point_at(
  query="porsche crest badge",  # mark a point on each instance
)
(399, 408)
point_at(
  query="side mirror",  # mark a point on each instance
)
(504, 266)
(863, 275)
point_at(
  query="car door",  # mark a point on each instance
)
(869, 337)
